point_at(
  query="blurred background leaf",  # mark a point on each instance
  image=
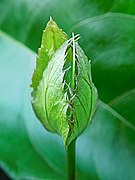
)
(106, 150)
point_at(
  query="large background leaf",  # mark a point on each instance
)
(26, 19)
(17, 155)
(106, 149)
(110, 44)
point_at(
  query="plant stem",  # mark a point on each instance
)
(71, 160)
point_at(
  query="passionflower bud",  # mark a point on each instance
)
(64, 97)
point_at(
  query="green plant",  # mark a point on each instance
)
(63, 97)
(106, 149)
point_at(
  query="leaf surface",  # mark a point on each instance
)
(52, 96)
(111, 45)
(50, 103)
(24, 16)
(115, 144)
(17, 155)
(84, 103)
(108, 40)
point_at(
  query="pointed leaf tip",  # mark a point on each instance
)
(51, 22)
(51, 19)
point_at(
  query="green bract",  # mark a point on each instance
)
(64, 97)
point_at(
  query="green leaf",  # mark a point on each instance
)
(52, 39)
(115, 144)
(125, 101)
(46, 97)
(111, 45)
(49, 101)
(27, 20)
(85, 100)
(61, 108)
(17, 156)
(123, 6)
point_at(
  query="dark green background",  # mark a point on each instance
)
(106, 150)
